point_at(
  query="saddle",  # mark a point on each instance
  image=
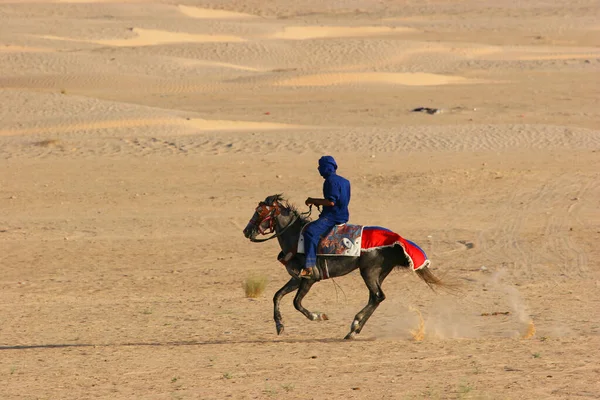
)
(342, 240)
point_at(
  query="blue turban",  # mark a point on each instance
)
(327, 166)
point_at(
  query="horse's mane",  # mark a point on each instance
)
(305, 219)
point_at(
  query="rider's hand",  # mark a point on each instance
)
(309, 201)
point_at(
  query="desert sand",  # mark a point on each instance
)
(137, 137)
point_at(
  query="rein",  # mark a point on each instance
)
(278, 234)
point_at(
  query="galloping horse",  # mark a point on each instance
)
(275, 215)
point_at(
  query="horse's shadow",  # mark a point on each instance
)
(179, 343)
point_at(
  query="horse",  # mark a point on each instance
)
(276, 216)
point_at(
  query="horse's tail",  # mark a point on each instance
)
(433, 281)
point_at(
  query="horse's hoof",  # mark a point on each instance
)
(318, 317)
(279, 329)
(349, 336)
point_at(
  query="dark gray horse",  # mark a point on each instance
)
(275, 215)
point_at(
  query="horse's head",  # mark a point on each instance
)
(264, 217)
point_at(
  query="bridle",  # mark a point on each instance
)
(268, 213)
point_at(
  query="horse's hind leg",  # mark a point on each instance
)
(305, 286)
(378, 297)
(289, 287)
(372, 278)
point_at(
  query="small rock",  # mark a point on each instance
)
(428, 110)
(483, 268)
(372, 155)
(278, 176)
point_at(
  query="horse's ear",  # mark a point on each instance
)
(272, 199)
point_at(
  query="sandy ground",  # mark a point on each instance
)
(137, 137)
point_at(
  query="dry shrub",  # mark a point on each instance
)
(255, 285)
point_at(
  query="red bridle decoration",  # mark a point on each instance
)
(266, 213)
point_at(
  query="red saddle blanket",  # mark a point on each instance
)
(376, 237)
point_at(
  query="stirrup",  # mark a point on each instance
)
(307, 273)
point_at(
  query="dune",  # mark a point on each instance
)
(196, 124)
(548, 53)
(511, 53)
(564, 56)
(151, 37)
(22, 49)
(208, 13)
(90, 126)
(192, 62)
(408, 79)
(225, 125)
(318, 32)
(96, 1)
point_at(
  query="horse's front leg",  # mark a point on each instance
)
(305, 286)
(289, 287)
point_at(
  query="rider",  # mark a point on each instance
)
(336, 197)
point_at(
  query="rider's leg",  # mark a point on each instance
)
(312, 234)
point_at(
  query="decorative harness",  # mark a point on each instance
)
(269, 213)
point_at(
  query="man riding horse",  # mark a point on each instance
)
(335, 201)
(379, 249)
